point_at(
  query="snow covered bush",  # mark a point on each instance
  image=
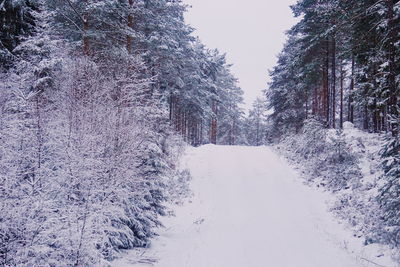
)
(86, 164)
(326, 155)
(362, 176)
(94, 182)
(389, 194)
(96, 98)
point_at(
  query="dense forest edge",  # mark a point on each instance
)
(332, 108)
(98, 100)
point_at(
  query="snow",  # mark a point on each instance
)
(250, 208)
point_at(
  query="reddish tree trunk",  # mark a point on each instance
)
(315, 101)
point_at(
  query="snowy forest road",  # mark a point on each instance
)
(249, 209)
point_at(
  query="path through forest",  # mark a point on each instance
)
(249, 209)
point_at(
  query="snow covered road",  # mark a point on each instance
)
(249, 209)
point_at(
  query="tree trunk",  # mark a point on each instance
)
(326, 85)
(130, 26)
(39, 139)
(384, 119)
(366, 119)
(86, 44)
(350, 114)
(375, 108)
(333, 54)
(201, 132)
(392, 33)
(257, 132)
(184, 126)
(375, 117)
(341, 94)
(234, 132)
(315, 101)
(307, 106)
(171, 101)
(323, 94)
(214, 123)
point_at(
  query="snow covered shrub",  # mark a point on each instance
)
(389, 197)
(325, 155)
(342, 163)
(120, 153)
(347, 162)
(88, 156)
(311, 141)
(85, 168)
(179, 187)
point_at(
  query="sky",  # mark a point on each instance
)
(251, 32)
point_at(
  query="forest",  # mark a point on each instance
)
(339, 69)
(97, 99)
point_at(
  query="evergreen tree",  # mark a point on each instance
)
(16, 22)
(256, 123)
(88, 153)
(389, 193)
(343, 57)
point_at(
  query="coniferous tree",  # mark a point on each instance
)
(88, 151)
(342, 59)
(256, 123)
(16, 22)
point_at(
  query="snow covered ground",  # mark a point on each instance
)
(250, 209)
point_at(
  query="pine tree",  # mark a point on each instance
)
(256, 123)
(88, 152)
(389, 193)
(16, 22)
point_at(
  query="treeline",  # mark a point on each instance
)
(341, 63)
(93, 98)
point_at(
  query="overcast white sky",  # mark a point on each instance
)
(251, 32)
